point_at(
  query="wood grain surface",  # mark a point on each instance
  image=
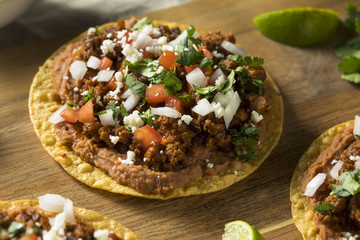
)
(315, 99)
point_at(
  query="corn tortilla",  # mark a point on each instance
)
(301, 211)
(41, 107)
(91, 218)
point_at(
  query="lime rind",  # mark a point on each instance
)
(298, 26)
(240, 230)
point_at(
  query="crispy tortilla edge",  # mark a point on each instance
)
(300, 209)
(41, 108)
(92, 218)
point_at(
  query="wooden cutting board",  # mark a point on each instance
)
(315, 99)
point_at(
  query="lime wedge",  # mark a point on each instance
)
(240, 230)
(298, 26)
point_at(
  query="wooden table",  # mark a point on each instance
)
(315, 99)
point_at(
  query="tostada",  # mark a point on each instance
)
(155, 109)
(325, 186)
(54, 217)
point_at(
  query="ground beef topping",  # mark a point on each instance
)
(336, 201)
(158, 99)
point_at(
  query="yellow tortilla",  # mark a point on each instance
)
(302, 213)
(91, 218)
(41, 107)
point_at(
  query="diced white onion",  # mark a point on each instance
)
(93, 62)
(196, 78)
(52, 202)
(203, 107)
(231, 108)
(55, 117)
(131, 101)
(107, 119)
(357, 164)
(78, 69)
(223, 99)
(143, 40)
(229, 46)
(183, 35)
(69, 210)
(216, 74)
(166, 111)
(105, 75)
(314, 184)
(334, 173)
(357, 125)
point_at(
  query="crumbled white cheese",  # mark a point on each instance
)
(156, 50)
(161, 151)
(186, 118)
(57, 227)
(66, 78)
(122, 41)
(145, 159)
(107, 46)
(131, 54)
(134, 120)
(84, 93)
(186, 49)
(167, 47)
(115, 40)
(119, 84)
(236, 173)
(101, 234)
(160, 69)
(156, 32)
(354, 158)
(91, 30)
(334, 162)
(179, 122)
(109, 35)
(76, 89)
(114, 139)
(120, 34)
(162, 40)
(217, 54)
(130, 158)
(37, 224)
(218, 109)
(256, 117)
(153, 63)
(98, 101)
(133, 35)
(210, 165)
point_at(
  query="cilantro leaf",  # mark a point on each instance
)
(148, 118)
(90, 95)
(184, 96)
(349, 64)
(349, 184)
(100, 113)
(71, 104)
(246, 61)
(245, 140)
(142, 68)
(208, 91)
(141, 24)
(351, 48)
(353, 19)
(14, 228)
(352, 77)
(230, 81)
(357, 136)
(123, 111)
(188, 55)
(97, 31)
(171, 83)
(136, 86)
(113, 108)
(324, 208)
(206, 63)
(31, 230)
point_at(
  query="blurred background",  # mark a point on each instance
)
(45, 19)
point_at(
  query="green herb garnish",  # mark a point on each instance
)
(349, 184)
(136, 86)
(206, 63)
(15, 228)
(247, 137)
(357, 136)
(188, 55)
(113, 108)
(123, 111)
(31, 230)
(171, 82)
(145, 69)
(141, 24)
(90, 95)
(71, 105)
(148, 118)
(324, 208)
(246, 61)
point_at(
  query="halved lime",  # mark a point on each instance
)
(298, 26)
(240, 230)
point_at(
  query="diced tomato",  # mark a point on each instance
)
(147, 137)
(206, 52)
(127, 38)
(31, 236)
(167, 59)
(175, 103)
(190, 68)
(70, 115)
(105, 63)
(155, 94)
(86, 112)
(112, 84)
